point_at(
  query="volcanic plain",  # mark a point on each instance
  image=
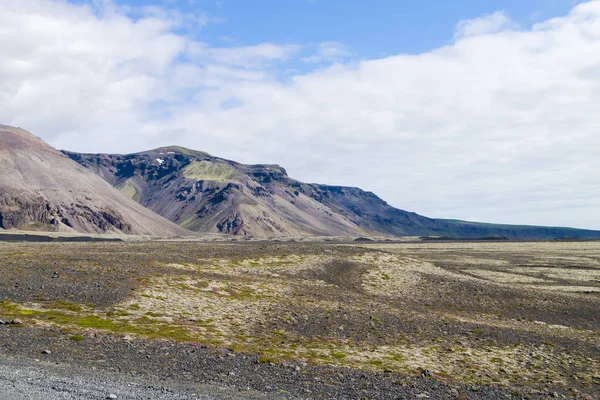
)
(372, 320)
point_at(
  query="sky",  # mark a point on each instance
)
(482, 110)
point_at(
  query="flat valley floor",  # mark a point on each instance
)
(306, 320)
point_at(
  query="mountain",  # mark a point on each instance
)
(210, 194)
(42, 189)
(204, 193)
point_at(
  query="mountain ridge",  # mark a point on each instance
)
(202, 192)
(42, 189)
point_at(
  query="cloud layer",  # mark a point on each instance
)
(501, 125)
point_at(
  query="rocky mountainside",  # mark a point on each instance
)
(210, 194)
(42, 189)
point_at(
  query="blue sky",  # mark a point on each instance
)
(369, 28)
(452, 109)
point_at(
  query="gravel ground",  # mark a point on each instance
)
(31, 380)
(97, 365)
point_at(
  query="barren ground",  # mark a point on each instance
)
(314, 320)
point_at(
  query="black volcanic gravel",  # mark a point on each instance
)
(167, 362)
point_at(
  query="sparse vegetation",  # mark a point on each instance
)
(218, 171)
(453, 309)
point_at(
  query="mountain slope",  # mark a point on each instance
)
(205, 193)
(42, 188)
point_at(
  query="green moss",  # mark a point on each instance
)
(129, 190)
(65, 305)
(142, 326)
(9, 308)
(154, 314)
(267, 360)
(94, 322)
(397, 357)
(217, 171)
(183, 286)
(338, 355)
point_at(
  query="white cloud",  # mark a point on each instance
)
(500, 127)
(252, 56)
(492, 23)
(329, 52)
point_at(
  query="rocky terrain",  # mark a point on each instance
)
(469, 320)
(42, 189)
(204, 193)
(25, 380)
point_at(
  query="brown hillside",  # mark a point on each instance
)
(40, 188)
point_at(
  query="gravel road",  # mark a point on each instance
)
(31, 380)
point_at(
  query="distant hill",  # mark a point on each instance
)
(42, 189)
(204, 193)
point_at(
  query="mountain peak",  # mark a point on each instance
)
(41, 188)
(166, 150)
(193, 155)
(13, 137)
(9, 128)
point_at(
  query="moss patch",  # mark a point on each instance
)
(129, 190)
(209, 171)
